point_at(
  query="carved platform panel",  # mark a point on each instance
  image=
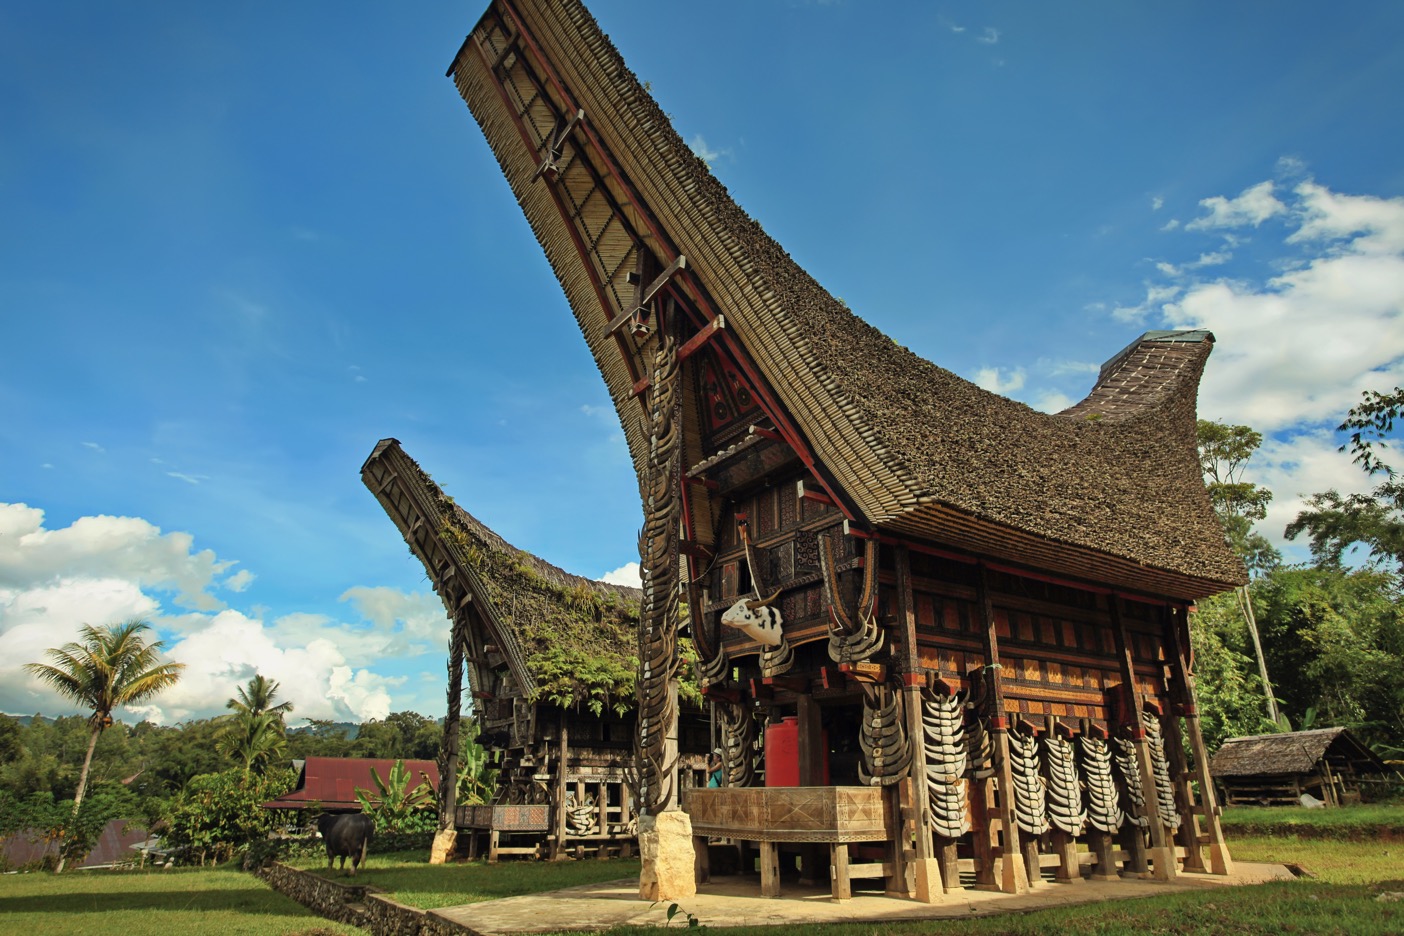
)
(790, 814)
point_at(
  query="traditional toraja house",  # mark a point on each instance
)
(971, 609)
(1276, 769)
(551, 664)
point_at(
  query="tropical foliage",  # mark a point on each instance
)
(218, 814)
(1332, 635)
(111, 667)
(398, 803)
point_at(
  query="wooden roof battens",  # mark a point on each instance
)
(851, 401)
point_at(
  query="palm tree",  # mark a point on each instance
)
(112, 666)
(257, 698)
(255, 734)
(255, 740)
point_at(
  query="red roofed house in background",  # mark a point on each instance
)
(331, 782)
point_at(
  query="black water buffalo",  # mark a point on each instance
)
(346, 835)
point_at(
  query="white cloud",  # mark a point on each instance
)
(698, 145)
(95, 447)
(1170, 225)
(1157, 296)
(1000, 380)
(1051, 401)
(627, 574)
(99, 570)
(239, 581)
(187, 478)
(101, 547)
(989, 37)
(1254, 205)
(1301, 347)
(1157, 203)
(1066, 368)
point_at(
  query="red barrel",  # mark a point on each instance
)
(782, 753)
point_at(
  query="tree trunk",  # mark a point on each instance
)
(82, 786)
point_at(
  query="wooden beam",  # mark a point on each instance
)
(926, 868)
(1013, 877)
(704, 334)
(1162, 853)
(641, 306)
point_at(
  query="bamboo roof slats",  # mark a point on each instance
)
(1109, 490)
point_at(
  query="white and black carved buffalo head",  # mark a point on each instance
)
(757, 619)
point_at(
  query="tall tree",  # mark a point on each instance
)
(110, 667)
(1224, 452)
(257, 698)
(255, 734)
(1336, 522)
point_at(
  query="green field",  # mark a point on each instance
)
(174, 902)
(1352, 859)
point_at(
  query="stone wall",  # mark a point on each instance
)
(355, 904)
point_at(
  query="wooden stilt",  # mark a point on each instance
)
(1065, 847)
(841, 886)
(1101, 845)
(769, 869)
(1178, 628)
(1162, 852)
(1013, 874)
(926, 868)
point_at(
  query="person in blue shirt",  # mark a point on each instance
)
(714, 769)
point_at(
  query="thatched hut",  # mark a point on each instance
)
(972, 615)
(551, 660)
(1277, 769)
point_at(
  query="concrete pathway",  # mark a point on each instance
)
(736, 901)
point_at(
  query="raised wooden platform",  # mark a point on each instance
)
(836, 815)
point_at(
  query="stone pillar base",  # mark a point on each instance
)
(665, 846)
(445, 840)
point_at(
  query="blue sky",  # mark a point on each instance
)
(240, 243)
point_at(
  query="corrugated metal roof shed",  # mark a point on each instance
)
(331, 782)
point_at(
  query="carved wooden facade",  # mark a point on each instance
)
(984, 608)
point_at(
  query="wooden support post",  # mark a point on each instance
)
(563, 749)
(493, 837)
(897, 846)
(1133, 839)
(948, 854)
(1162, 852)
(1178, 627)
(701, 860)
(1188, 833)
(926, 868)
(841, 888)
(769, 869)
(1065, 847)
(1032, 865)
(813, 860)
(1100, 844)
(1013, 876)
(985, 835)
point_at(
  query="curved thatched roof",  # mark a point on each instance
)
(564, 637)
(1289, 752)
(1110, 492)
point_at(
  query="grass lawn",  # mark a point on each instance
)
(410, 878)
(184, 901)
